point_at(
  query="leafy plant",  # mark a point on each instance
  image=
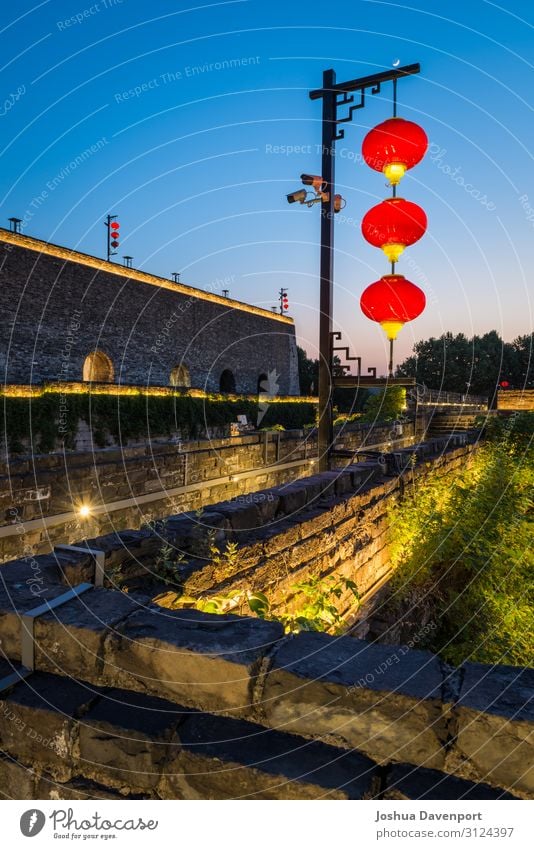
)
(226, 560)
(386, 405)
(167, 565)
(313, 604)
(52, 418)
(463, 552)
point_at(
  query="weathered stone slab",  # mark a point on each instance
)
(223, 758)
(16, 781)
(293, 497)
(383, 701)
(408, 782)
(241, 516)
(125, 739)
(38, 721)
(200, 660)
(74, 567)
(495, 715)
(69, 640)
(16, 598)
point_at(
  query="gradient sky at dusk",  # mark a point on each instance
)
(196, 169)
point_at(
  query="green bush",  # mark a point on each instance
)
(463, 552)
(385, 406)
(127, 417)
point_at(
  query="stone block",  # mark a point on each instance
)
(74, 567)
(200, 660)
(38, 722)
(222, 758)
(69, 640)
(408, 782)
(293, 497)
(495, 716)
(242, 517)
(15, 600)
(16, 781)
(384, 701)
(125, 739)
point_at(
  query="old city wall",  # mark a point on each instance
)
(116, 676)
(57, 306)
(40, 495)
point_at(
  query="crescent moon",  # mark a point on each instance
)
(396, 63)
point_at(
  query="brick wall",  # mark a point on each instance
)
(144, 481)
(57, 306)
(131, 699)
(515, 399)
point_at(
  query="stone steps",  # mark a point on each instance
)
(110, 743)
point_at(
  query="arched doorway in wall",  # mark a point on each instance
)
(180, 376)
(98, 368)
(263, 380)
(227, 381)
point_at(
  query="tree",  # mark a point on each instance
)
(344, 400)
(385, 406)
(308, 373)
(524, 353)
(477, 365)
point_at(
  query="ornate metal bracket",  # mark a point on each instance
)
(338, 370)
(346, 100)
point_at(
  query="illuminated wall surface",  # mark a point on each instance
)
(57, 306)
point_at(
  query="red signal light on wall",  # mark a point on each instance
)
(114, 234)
(504, 384)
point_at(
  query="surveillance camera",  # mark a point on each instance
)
(297, 197)
(313, 180)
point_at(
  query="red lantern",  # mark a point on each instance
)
(394, 146)
(393, 225)
(392, 301)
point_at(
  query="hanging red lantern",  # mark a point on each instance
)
(394, 146)
(392, 301)
(393, 225)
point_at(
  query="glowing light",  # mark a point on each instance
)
(84, 510)
(392, 301)
(394, 172)
(394, 146)
(393, 225)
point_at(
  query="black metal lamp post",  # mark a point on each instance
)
(333, 96)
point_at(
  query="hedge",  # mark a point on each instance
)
(125, 417)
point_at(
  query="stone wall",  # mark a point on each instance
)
(131, 699)
(40, 494)
(57, 306)
(134, 700)
(515, 399)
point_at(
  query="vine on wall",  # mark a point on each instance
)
(51, 420)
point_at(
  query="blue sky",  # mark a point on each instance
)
(200, 121)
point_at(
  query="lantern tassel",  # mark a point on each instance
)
(391, 357)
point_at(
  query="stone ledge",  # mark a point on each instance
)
(384, 701)
(201, 660)
(408, 782)
(222, 758)
(495, 734)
